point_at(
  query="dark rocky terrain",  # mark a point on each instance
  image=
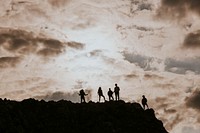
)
(32, 116)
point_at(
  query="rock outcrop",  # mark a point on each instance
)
(32, 116)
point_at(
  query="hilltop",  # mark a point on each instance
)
(31, 116)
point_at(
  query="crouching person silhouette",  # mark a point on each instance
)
(110, 94)
(82, 95)
(144, 102)
(100, 93)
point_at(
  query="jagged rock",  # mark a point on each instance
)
(31, 116)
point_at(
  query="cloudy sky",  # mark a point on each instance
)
(51, 49)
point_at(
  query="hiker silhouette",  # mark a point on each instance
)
(82, 94)
(144, 102)
(110, 94)
(100, 93)
(116, 91)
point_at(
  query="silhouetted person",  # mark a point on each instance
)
(116, 91)
(144, 102)
(82, 95)
(110, 94)
(100, 93)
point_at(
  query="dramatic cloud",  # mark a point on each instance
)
(192, 40)
(194, 100)
(139, 60)
(6, 62)
(51, 49)
(22, 42)
(147, 63)
(178, 8)
(182, 67)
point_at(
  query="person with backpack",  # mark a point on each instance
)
(82, 94)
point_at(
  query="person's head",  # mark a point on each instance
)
(100, 88)
(143, 96)
(115, 84)
(109, 89)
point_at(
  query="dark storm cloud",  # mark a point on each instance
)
(7, 62)
(194, 100)
(178, 8)
(192, 40)
(182, 67)
(23, 42)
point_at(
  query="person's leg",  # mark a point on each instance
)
(99, 98)
(147, 105)
(104, 98)
(118, 96)
(143, 106)
(81, 99)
